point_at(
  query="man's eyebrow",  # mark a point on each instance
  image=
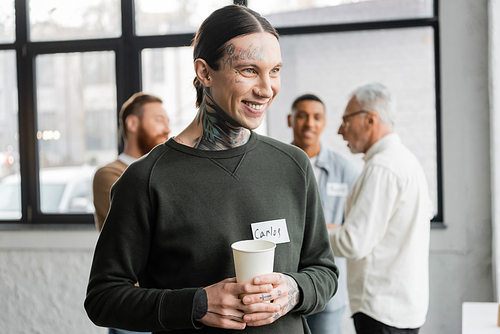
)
(249, 64)
(245, 65)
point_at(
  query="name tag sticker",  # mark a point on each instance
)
(337, 189)
(273, 230)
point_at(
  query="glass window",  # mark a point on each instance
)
(74, 96)
(160, 17)
(332, 65)
(51, 196)
(319, 12)
(7, 21)
(63, 20)
(77, 125)
(10, 181)
(66, 189)
(168, 73)
(10, 197)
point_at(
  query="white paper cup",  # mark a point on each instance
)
(253, 258)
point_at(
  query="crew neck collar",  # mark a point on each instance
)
(252, 141)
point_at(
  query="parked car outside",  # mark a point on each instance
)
(62, 190)
(8, 163)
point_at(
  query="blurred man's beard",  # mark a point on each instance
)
(146, 142)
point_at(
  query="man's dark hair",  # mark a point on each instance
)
(306, 97)
(133, 106)
(221, 26)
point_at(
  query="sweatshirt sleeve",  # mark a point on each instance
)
(317, 275)
(122, 250)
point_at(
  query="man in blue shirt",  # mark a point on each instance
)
(335, 175)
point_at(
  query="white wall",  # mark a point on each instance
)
(43, 280)
(460, 258)
(43, 274)
(494, 81)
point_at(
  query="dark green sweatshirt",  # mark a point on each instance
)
(174, 215)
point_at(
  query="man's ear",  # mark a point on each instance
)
(289, 118)
(132, 122)
(372, 118)
(202, 71)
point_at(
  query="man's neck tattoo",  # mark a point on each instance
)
(220, 131)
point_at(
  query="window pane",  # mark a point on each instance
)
(332, 65)
(318, 12)
(10, 185)
(7, 21)
(64, 20)
(77, 126)
(168, 73)
(159, 17)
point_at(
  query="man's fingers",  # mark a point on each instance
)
(258, 298)
(264, 297)
(258, 316)
(235, 317)
(264, 307)
(268, 315)
(259, 319)
(273, 278)
(249, 288)
(231, 320)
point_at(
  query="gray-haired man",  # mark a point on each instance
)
(385, 236)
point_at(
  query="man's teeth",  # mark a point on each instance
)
(254, 106)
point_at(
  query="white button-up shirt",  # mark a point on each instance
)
(385, 237)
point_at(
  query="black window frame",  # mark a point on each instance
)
(128, 48)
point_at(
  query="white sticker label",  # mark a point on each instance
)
(337, 189)
(273, 230)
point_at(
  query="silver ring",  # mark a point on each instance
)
(259, 92)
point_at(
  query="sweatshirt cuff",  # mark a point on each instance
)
(176, 309)
(200, 304)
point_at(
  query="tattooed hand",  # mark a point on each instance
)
(226, 310)
(285, 295)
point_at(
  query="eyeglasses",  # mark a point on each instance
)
(345, 117)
